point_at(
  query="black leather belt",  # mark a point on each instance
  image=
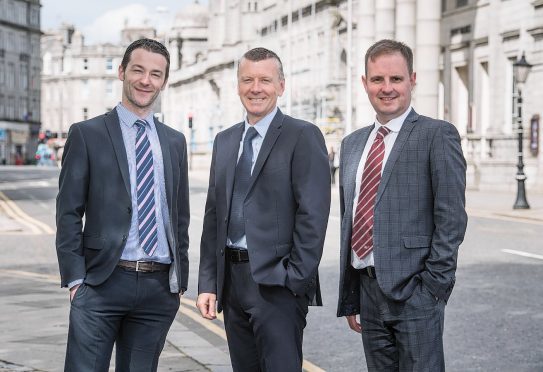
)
(143, 266)
(368, 271)
(237, 255)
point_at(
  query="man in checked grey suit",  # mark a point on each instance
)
(264, 226)
(402, 195)
(122, 224)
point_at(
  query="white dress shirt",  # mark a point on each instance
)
(394, 125)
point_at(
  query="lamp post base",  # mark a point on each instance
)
(521, 202)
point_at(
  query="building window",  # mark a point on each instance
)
(460, 3)
(109, 64)
(284, 21)
(85, 88)
(109, 87)
(23, 109)
(11, 108)
(24, 76)
(85, 113)
(11, 76)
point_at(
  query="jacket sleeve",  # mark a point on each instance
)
(207, 276)
(448, 175)
(311, 189)
(183, 218)
(70, 207)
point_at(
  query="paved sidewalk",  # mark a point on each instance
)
(34, 320)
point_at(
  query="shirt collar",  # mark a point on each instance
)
(128, 118)
(263, 124)
(394, 124)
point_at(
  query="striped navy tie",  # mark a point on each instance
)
(145, 180)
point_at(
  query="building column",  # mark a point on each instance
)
(384, 19)
(427, 56)
(364, 38)
(406, 16)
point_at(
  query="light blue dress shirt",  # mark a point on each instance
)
(262, 128)
(132, 250)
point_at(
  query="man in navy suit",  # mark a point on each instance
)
(122, 224)
(264, 226)
(402, 194)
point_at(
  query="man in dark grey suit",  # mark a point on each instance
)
(264, 226)
(401, 189)
(122, 224)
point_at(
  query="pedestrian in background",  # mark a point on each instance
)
(125, 174)
(264, 226)
(332, 159)
(402, 195)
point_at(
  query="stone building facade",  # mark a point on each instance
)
(481, 40)
(19, 80)
(81, 81)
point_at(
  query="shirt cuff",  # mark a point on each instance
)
(74, 283)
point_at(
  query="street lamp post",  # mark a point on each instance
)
(521, 69)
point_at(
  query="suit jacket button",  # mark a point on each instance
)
(124, 238)
(129, 210)
(222, 252)
(225, 220)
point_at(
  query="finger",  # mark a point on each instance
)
(211, 307)
(353, 324)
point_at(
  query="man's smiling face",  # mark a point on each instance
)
(389, 85)
(259, 87)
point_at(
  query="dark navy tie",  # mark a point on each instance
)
(236, 227)
(145, 181)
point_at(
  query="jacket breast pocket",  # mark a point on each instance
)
(417, 241)
(273, 167)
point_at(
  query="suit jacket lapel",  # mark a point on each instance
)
(351, 166)
(167, 161)
(271, 137)
(403, 135)
(114, 128)
(232, 146)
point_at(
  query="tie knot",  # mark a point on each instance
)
(140, 124)
(383, 131)
(251, 133)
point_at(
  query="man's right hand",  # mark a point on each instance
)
(353, 324)
(73, 290)
(206, 303)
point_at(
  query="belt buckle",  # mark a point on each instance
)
(138, 266)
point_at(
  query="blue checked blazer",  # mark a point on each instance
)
(419, 217)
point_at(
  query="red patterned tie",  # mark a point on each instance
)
(362, 234)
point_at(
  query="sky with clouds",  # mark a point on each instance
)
(102, 20)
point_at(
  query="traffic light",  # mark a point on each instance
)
(190, 121)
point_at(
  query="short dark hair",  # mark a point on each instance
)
(261, 54)
(387, 46)
(149, 45)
